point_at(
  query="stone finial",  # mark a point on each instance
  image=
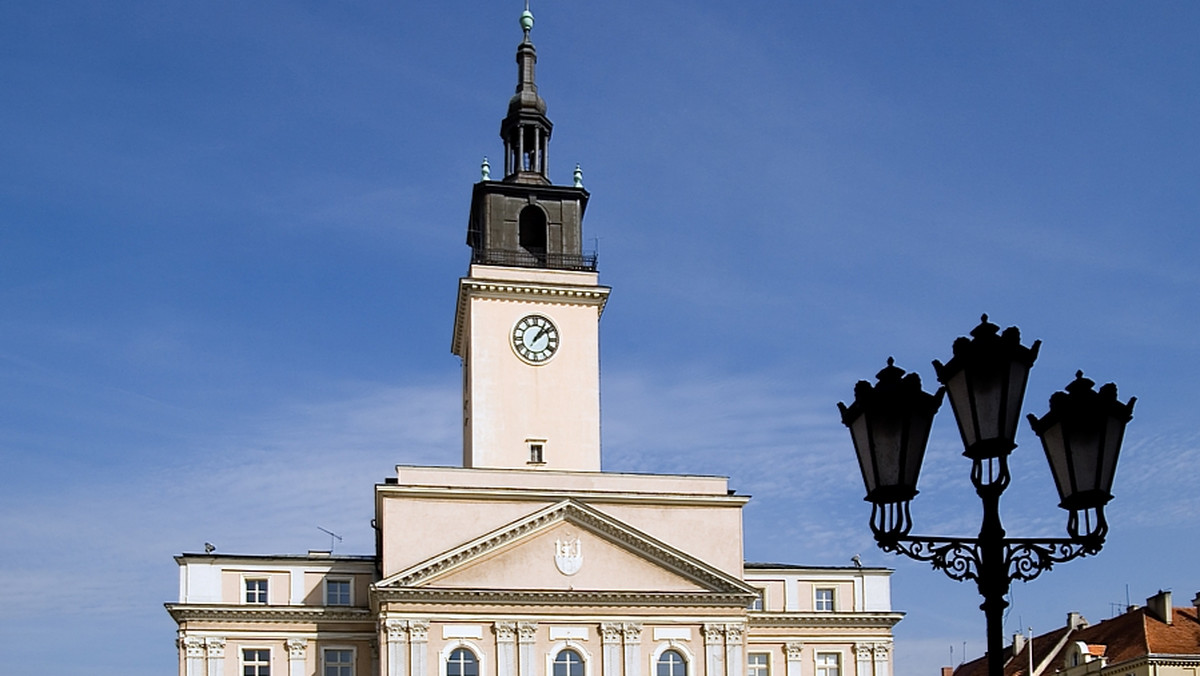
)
(485, 170)
(578, 176)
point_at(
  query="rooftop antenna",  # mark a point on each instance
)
(332, 536)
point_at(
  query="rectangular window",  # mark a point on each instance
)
(829, 664)
(823, 600)
(256, 662)
(758, 664)
(537, 453)
(339, 662)
(337, 592)
(759, 602)
(256, 591)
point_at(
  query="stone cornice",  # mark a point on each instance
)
(823, 619)
(558, 598)
(715, 581)
(542, 495)
(182, 612)
(497, 289)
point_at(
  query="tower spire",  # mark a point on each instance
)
(526, 129)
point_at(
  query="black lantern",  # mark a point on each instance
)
(1082, 436)
(985, 380)
(889, 425)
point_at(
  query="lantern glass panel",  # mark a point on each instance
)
(1112, 448)
(862, 446)
(1018, 376)
(1056, 453)
(960, 404)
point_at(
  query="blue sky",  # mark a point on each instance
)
(231, 234)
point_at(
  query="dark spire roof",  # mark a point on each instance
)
(526, 129)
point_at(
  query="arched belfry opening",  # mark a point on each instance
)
(531, 233)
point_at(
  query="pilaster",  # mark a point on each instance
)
(794, 652)
(734, 659)
(631, 633)
(714, 649)
(396, 633)
(418, 645)
(297, 649)
(526, 635)
(193, 654)
(506, 653)
(862, 652)
(610, 638)
(214, 646)
(882, 655)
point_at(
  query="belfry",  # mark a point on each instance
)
(529, 559)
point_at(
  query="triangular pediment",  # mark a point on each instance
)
(568, 547)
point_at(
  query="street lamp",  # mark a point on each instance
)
(985, 382)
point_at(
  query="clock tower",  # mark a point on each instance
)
(527, 319)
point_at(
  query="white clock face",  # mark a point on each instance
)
(535, 339)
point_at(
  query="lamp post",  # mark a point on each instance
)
(985, 381)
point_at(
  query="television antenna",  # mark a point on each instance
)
(332, 537)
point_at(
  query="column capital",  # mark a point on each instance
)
(734, 633)
(632, 632)
(506, 632)
(526, 632)
(714, 634)
(396, 630)
(193, 646)
(418, 630)
(863, 650)
(215, 645)
(794, 649)
(610, 632)
(296, 647)
(882, 650)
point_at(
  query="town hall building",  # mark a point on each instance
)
(528, 560)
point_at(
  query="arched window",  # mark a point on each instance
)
(671, 663)
(531, 235)
(462, 662)
(568, 663)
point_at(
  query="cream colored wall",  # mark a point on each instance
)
(511, 401)
(422, 519)
(233, 589)
(843, 596)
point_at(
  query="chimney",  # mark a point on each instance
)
(1159, 606)
(1018, 643)
(1075, 621)
(949, 671)
(1196, 604)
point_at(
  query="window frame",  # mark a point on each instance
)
(818, 602)
(325, 650)
(450, 655)
(264, 593)
(753, 669)
(245, 662)
(581, 662)
(684, 662)
(348, 581)
(823, 669)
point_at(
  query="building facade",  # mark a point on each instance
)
(1157, 639)
(528, 560)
